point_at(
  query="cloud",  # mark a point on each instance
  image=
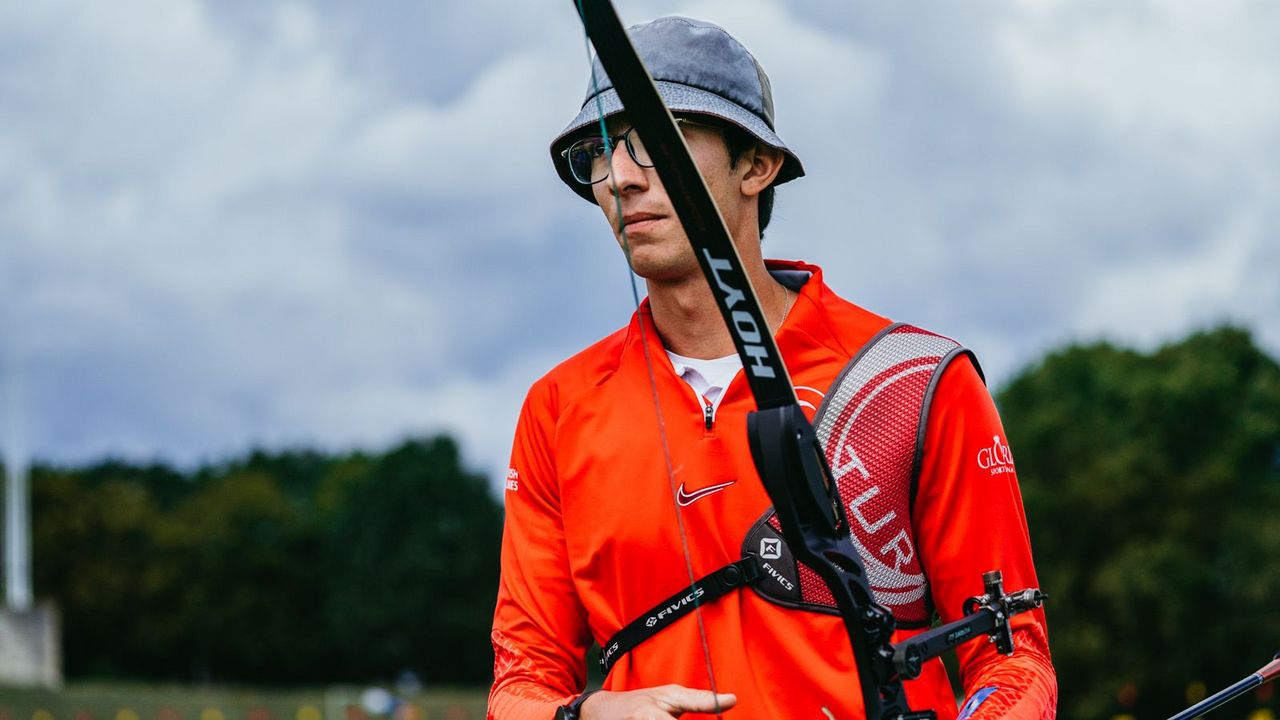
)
(336, 223)
(226, 234)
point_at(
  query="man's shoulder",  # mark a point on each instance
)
(853, 327)
(853, 318)
(848, 325)
(585, 369)
(835, 310)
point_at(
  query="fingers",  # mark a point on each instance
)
(666, 702)
(683, 699)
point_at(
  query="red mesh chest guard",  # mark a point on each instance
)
(871, 426)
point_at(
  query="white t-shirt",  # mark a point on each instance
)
(708, 378)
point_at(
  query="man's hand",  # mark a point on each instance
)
(657, 703)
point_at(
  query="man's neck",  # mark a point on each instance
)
(688, 318)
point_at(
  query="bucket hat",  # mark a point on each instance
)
(697, 67)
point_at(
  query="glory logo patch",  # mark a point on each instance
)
(997, 458)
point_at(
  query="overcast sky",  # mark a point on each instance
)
(240, 223)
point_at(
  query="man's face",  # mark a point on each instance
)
(659, 247)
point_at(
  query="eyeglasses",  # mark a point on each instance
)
(589, 162)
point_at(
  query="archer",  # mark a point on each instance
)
(638, 521)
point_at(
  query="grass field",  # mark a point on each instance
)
(117, 701)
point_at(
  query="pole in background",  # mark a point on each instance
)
(30, 634)
(17, 495)
(17, 545)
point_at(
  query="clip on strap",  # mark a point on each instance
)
(707, 589)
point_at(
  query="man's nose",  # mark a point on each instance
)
(627, 174)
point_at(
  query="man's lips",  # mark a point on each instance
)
(639, 219)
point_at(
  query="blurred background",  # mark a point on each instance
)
(275, 276)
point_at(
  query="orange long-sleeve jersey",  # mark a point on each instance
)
(592, 540)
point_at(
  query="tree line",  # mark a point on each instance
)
(1151, 482)
(1152, 488)
(285, 567)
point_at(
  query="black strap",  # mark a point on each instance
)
(573, 711)
(707, 589)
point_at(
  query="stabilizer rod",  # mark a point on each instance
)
(1264, 675)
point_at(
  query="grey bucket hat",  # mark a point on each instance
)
(698, 68)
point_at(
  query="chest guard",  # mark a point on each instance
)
(871, 425)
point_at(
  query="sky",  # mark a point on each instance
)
(238, 224)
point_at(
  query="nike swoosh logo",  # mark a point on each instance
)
(685, 499)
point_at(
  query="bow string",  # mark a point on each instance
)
(674, 136)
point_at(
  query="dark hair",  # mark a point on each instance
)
(739, 142)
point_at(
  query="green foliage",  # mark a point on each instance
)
(92, 537)
(291, 567)
(419, 548)
(1152, 489)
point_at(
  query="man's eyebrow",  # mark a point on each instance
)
(617, 124)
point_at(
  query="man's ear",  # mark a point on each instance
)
(762, 165)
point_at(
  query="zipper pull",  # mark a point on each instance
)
(708, 413)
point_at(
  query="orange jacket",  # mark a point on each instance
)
(592, 541)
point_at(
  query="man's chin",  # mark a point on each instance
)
(659, 266)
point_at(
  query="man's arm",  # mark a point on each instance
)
(968, 519)
(540, 634)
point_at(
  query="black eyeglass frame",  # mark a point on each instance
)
(622, 138)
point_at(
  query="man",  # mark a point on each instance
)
(614, 504)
